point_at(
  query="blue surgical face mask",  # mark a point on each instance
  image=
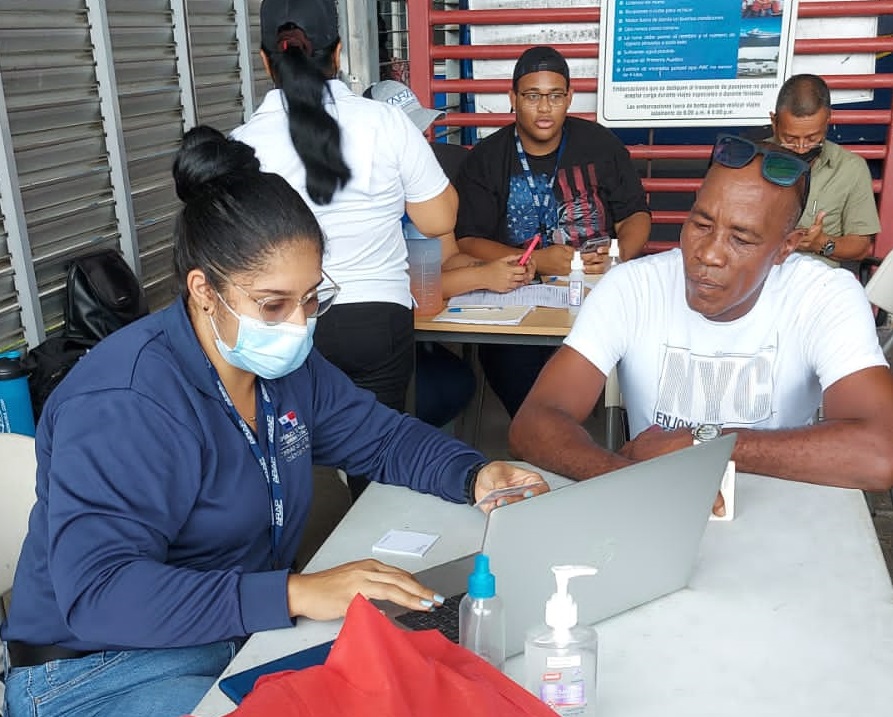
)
(264, 350)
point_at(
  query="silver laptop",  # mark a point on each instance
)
(641, 526)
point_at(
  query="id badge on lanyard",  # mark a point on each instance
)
(268, 464)
(542, 203)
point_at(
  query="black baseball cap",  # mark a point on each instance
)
(541, 58)
(317, 18)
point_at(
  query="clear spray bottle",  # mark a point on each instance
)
(560, 657)
(481, 616)
(613, 253)
(575, 284)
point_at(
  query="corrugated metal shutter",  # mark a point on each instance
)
(11, 332)
(149, 98)
(262, 82)
(215, 63)
(57, 136)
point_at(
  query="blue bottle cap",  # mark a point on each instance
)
(481, 583)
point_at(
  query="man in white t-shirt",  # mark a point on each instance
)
(732, 330)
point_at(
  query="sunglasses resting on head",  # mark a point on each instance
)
(780, 166)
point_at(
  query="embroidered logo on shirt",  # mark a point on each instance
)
(725, 388)
(294, 440)
(289, 419)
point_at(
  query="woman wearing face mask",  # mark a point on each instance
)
(174, 466)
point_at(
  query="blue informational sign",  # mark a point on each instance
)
(676, 40)
(692, 62)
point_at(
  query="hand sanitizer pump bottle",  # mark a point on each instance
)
(560, 657)
(575, 283)
(481, 616)
(614, 253)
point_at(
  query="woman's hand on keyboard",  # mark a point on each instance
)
(325, 595)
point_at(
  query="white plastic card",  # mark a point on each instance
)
(727, 489)
(405, 542)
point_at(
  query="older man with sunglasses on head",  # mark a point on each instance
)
(733, 330)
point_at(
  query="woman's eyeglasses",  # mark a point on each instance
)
(779, 167)
(532, 99)
(276, 309)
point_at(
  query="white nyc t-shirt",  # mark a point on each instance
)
(811, 326)
(391, 163)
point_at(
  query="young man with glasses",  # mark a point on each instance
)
(564, 179)
(840, 219)
(735, 331)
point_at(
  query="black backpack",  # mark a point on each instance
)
(102, 294)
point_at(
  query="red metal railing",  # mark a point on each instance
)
(422, 54)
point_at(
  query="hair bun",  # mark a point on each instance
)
(207, 157)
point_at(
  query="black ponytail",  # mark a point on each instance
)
(234, 216)
(301, 71)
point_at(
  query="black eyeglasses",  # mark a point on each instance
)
(780, 167)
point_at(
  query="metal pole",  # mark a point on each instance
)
(97, 17)
(184, 63)
(17, 234)
(243, 38)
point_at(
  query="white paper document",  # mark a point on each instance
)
(530, 295)
(727, 489)
(405, 542)
(493, 315)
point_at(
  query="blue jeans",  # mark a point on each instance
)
(127, 683)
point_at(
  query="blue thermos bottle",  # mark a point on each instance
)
(16, 415)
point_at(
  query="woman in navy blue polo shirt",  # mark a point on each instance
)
(174, 466)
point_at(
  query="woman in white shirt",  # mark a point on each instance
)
(359, 164)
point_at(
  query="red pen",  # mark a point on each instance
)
(525, 257)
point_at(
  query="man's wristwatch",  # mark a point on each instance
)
(829, 248)
(705, 432)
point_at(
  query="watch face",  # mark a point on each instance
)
(706, 432)
(829, 247)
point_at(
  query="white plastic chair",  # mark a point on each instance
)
(879, 290)
(17, 480)
(18, 471)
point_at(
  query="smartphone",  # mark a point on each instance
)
(495, 495)
(240, 684)
(591, 245)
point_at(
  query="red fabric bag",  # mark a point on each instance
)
(379, 670)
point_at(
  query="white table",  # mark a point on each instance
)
(789, 613)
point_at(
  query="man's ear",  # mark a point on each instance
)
(772, 122)
(790, 244)
(570, 95)
(513, 99)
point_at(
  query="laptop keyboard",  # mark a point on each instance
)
(444, 618)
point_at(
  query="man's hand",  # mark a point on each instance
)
(554, 260)
(506, 274)
(598, 261)
(654, 441)
(500, 474)
(814, 238)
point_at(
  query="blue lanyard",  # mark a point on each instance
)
(271, 473)
(541, 203)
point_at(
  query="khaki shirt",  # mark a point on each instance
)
(841, 187)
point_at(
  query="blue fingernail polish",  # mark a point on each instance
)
(439, 598)
(426, 603)
(528, 494)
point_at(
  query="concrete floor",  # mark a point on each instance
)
(332, 500)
